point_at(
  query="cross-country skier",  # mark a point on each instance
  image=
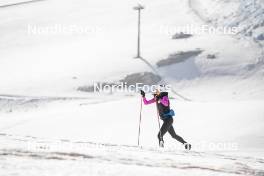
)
(166, 114)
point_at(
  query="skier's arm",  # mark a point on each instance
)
(146, 102)
(165, 101)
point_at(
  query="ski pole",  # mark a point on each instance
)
(158, 118)
(140, 112)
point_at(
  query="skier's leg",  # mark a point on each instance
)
(187, 146)
(175, 136)
(164, 128)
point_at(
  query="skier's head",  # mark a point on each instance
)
(160, 88)
(157, 91)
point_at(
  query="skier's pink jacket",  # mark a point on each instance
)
(164, 101)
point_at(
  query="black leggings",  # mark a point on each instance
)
(167, 126)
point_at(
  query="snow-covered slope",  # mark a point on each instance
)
(33, 156)
(46, 63)
(40, 74)
(109, 121)
(247, 16)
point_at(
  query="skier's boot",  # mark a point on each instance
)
(161, 144)
(187, 146)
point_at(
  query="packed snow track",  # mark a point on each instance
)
(30, 155)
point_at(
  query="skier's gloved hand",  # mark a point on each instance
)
(157, 97)
(142, 93)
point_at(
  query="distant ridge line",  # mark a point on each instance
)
(20, 3)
